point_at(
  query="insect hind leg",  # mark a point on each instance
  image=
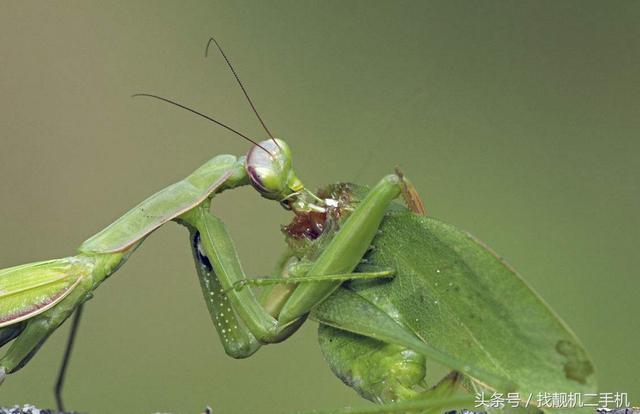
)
(59, 385)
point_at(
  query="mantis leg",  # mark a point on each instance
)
(238, 342)
(346, 249)
(10, 332)
(341, 256)
(58, 388)
(238, 337)
(269, 281)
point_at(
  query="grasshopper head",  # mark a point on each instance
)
(269, 168)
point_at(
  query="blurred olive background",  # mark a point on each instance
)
(516, 120)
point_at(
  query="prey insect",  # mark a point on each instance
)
(389, 287)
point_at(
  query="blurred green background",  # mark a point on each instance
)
(517, 121)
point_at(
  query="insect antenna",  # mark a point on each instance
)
(254, 142)
(246, 94)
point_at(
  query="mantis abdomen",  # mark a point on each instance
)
(36, 298)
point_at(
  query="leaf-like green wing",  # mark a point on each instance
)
(459, 297)
(28, 290)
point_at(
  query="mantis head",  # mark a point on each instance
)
(268, 163)
(269, 168)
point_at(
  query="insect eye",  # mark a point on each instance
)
(269, 169)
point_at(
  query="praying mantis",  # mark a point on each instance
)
(390, 287)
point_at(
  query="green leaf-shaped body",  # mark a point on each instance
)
(455, 294)
(29, 290)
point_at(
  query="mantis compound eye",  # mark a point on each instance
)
(269, 169)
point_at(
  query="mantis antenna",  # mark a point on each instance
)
(246, 94)
(78, 313)
(254, 142)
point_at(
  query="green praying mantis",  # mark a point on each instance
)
(390, 287)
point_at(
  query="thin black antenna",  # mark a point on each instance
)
(255, 111)
(254, 142)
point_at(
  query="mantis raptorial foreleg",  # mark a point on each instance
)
(295, 280)
(237, 343)
(217, 246)
(341, 256)
(373, 350)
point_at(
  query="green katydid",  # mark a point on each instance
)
(389, 287)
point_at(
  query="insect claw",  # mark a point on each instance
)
(3, 375)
